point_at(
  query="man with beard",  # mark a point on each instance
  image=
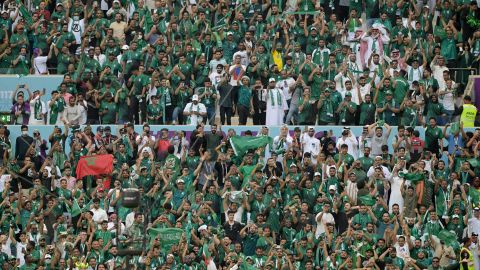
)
(380, 137)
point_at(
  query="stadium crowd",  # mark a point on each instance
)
(403, 194)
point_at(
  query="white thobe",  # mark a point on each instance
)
(275, 109)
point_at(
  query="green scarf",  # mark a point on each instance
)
(38, 110)
(279, 98)
(191, 109)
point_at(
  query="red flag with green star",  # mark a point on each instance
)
(94, 165)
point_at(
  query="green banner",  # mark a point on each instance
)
(412, 177)
(168, 236)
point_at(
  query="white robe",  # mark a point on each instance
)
(32, 120)
(275, 111)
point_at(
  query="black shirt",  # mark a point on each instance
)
(233, 231)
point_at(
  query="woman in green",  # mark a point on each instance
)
(245, 101)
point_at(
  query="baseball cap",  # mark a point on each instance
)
(125, 47)
(195, 98)
(332, 187)
(271, 80)
(317, 174)
(348, 94)
(180, 181)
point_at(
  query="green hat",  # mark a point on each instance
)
(327, 90)
(348, 94)
(388, 92)
(235, 22)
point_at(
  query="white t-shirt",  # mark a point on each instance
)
(6, 247)
(237, 74)
(40, 65)
(402, 252)
(76, 28)
(326, 218)
(352, 144)
(20, 255)
(83, 113)
(448, 101)
(215, 77)
(142, 140)
(285, 85)
(99, 215)
(243, 56)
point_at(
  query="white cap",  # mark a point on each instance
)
(146, 150)
(332, 187)
(271, 80)
(311, 127)
(116, 1)
(125, 47)
(229, 33)
(195, 98)
(203, 227)
(317, 174)
(180, 181)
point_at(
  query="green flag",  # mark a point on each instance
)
(449, 238)
(241, 144)
(454, 127)
(168, 236)
(473, 162)
(412, 177)
(24, 13)
(218, 26)
(302, 13)
(367, 200)
(206, 253)
(75, 210)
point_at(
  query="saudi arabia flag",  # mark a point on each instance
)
(241, 144)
